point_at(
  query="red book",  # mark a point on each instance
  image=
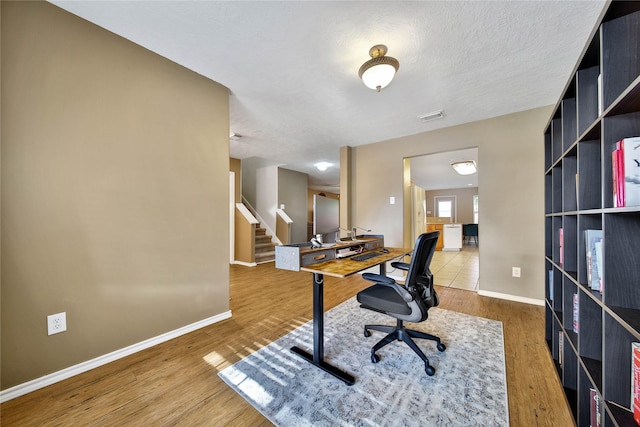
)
(617, 171)
(621, 193)
(635, 381)
(614, 177)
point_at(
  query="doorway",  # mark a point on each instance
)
(436, 192)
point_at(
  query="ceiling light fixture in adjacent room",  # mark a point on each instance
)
(322, 166)
(378, 72)
(467, 167)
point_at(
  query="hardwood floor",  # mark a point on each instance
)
(176, 383)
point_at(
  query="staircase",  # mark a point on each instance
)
(264, 249)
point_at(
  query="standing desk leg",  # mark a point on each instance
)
(317, 358)
(318, 318)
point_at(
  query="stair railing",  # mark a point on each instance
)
(261, 220)
(283, 227)
(245, 235)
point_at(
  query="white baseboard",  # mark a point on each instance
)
(246, 264)
(38, 383)
(511, 297)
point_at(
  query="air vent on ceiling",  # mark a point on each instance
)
(432, 116)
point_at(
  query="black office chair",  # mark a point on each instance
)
(407, 303)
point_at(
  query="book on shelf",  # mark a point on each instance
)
(600, 106)
(614, 177)
(617, 169)
(594, 268)
(599, 264)
(551, 285)
(560, 348)
(577, 191)
(595, 409)
(631, 155)
(576, 313)
(635, 381)
(620, 197)
(625, 164)
(561, 242)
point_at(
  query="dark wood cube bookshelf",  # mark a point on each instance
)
(599, 106)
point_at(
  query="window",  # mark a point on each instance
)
(444, 208)
(475, 209)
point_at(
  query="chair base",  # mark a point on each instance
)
(467, 239)
(400, 333)
(347, 378)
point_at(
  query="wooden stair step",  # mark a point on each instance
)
(264, 250)
(265, 256)
(267, 245)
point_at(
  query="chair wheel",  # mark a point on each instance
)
(430, 370)
(441, 347)
(367, 334)
(375, 358)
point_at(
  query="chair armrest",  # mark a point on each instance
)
(381, 280)
(378, 278)
(400, 265)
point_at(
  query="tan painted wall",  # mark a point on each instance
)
(292, 191)
(115, 192)
(345, 189)
(510, 189)
(464, 202)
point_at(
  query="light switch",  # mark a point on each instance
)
(392, 200)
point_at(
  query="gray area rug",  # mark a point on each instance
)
(468, 388)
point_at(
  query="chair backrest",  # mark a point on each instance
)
(419, 277)
(470, 229)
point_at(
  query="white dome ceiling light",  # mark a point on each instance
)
(378, 72)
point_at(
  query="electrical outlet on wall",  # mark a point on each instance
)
(56, 323)
(515, 271)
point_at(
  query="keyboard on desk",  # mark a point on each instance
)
(365, 256)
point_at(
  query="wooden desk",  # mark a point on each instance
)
(337, 268)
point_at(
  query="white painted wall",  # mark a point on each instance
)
(267, 194)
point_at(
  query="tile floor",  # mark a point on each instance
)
(457, 269)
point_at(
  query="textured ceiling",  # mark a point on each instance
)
(434, 171)
(291, 66)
